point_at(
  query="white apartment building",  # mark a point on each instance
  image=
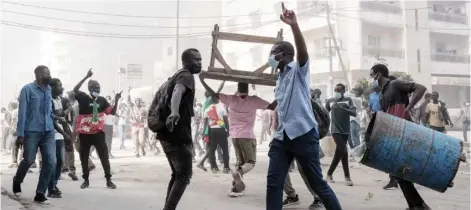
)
(427, 39)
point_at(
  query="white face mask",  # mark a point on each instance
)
(273, 62)
(95, 94)
(338, 95)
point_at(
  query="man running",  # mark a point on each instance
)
(242, 113)
(297, 134)
(35, 130)
(395, 101)
(90, 126)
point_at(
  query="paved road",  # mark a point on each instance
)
(142, 185)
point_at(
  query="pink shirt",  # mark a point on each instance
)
(242, 113)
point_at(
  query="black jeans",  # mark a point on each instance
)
(411, 194)
(180, 159)
(341, 153)
(218, 137)
(99, 142)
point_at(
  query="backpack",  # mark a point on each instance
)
(160, 107)
(322, 117)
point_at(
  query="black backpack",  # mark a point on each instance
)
(322, 117)
(159, 110)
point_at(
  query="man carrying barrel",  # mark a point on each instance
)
(395, 101)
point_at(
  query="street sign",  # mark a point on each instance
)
(134, 71)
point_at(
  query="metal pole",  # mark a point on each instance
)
(177, 35)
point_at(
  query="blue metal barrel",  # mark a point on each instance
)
(411, 151)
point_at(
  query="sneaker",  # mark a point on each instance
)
(391, 184)
(451, 184)
(85, 184)
(65, 170)
(317, 204)
(54, 194)
(329, 179)
(291, 201)
(215, 170)
(73, 176)
(226, 170)
(16, 189)
(110, 184)
(111, 156)
(234, 193)
(41, 199)
(13, 165)
(138, 156)
(348, 181)
(421, 207)
(201, 167)
(143, 153)
(238, 183)
(56, 189)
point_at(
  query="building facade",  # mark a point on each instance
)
(427, 39)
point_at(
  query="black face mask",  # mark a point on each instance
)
(46, 80)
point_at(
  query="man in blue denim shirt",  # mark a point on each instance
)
(296, 135)
(35, 129)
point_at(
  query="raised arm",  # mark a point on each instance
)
(211, 91)
(289, 17)
(79, 85)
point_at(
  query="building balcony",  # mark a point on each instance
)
(449, 18)
(324, 53)
(385, 7)
(392, 53)
(441, 57)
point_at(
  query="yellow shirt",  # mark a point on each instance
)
(434, 114)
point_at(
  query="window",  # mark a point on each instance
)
(440, 47)
(374, 41)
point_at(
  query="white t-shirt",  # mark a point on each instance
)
(109, 119)
(58, 108)
(215, 114)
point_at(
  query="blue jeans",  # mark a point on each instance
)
(122, 135)
(46, 143)
(56, 173)
(354, 137)
(305, 149)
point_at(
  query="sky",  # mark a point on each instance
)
(70, 56)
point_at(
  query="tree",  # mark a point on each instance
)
(362, 88)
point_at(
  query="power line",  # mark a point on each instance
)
(130, 16)
(112, 24)
(115, 35)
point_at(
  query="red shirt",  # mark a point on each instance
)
(84, 119)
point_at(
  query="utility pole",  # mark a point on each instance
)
(331, 65)
(177, 35)
(331, 31)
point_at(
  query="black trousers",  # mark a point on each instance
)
(411, 194)
(341, 153)
(180, 159)
(218, 137)
(99, 142)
